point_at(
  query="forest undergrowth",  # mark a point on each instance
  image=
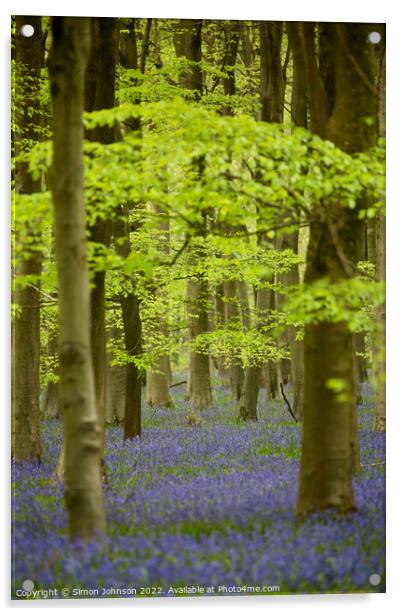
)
(210, 505)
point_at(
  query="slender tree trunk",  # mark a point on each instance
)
(330, 444)
(271, 96)
(130, 302)
(158, 377)
(299, 118)
(233, 319)
(130, 305)
(249, 394)
(26, 443)
(272, 85)
(230, 287)
(291, 279)
(187, 41)
(244, 303)
(83, 489)
(379, 351)
(51, 403)
(116, 390)
(200, 394)
(158, 381)
(219, 321)
(253, 375)
(248, 53)
(100, 94)
(379, 242)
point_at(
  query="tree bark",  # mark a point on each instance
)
(26, 443)
(200, 394)
(130, 305)
(379, 351)
(380, 261)
(219, 311)
(330, 443)
(272, 106)
(100, 94)
(249, 394)
(116, 390)
(233, 319)
(292, 278)
(253, 374)
(158, 377)
(83, 489)
(51, 403)
(272, 85)
(187, 41)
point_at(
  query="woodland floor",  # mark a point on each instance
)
(211, 505)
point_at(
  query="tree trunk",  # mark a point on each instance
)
(219, 321)
(130, 305)
(83, 489)
(249, 394)
(230, 287)
(100, 94)
(158, 377)
(242, 292)
(116, 390)
(292, 278)
(158, 383)
(26, 443)
(200, 394)
(379, 351)
(379, 243)
(272, 85)
(272, 105)
(51, 403)
(271, 372)
(233, 319)
(330, 444)
(247, 407)
(187, 41)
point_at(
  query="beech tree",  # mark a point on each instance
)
(330, 444)
(83, 489)
(159, 375)
(100, 78)
(29, 58)
(187, 40)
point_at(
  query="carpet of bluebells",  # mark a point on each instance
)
(208, 505)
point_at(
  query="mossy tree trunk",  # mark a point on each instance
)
(83, 489)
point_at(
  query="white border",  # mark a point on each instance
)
(306, 10)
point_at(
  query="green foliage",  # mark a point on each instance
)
(352, 300)
(223, 183)
(248, 347)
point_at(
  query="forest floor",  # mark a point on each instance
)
(211, 506)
